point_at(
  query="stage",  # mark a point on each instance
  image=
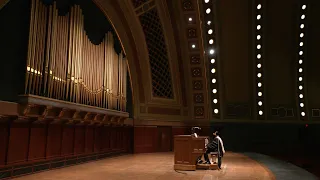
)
(159, 166)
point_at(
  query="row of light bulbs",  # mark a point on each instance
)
(212, 60)
(259, 59)
(300, 70)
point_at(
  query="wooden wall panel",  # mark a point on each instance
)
(18, 143)
(235, 49)
(164, 138)
(105, 138)
(67, 140)
(98, 139)
(280, 53)
(145, 139)
(54, 141)
(113, 138)
(313, 54)
(79, 139)
(89, 139)
(3, 143)
(37, 145)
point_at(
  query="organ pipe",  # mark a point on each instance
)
(63, 63)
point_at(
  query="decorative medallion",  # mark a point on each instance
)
(187, 5)
(198, 110)
(196, 72)
(195, 59)
(198, 98)
(197, 85)
(192, 33)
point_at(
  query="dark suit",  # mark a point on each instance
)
(214, 146)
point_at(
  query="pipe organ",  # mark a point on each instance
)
(63, 64)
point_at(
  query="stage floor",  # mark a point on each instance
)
(157, 166)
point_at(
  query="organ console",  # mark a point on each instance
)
(187, 149)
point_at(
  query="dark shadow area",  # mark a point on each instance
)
(295, 143)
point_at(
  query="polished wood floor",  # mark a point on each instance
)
(157, 166)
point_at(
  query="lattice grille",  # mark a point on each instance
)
(137, 3)
(158, 57)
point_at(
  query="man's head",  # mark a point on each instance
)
(215, 133)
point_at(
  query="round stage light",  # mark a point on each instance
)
(213, 61)
(216, 111)
(259, 6)
(214, 91)
(260, 113)
(259, 94)
(215, 101)
(259, 75)
(260, 103)
(214, 81)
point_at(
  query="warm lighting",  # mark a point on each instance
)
(259, 94)
(209, 22)
(213, 61)
(300, 87)
(303, 114)
(300, 78)
(301, 44)
(301, 105)
(211, 51)
(72, 78)
(303, 16)
(214, 81)
(214, 91)
(259, 6)
(259, 65)
(304, 7)
(213, 70)
(208, 10)
(259, 75)
(193, 46)
(302, 26)
(210, 31)
(259, 56)
(206, 1)
(300, 61)
(301, 35)
(190, 19)
(260, 113)
(216, 111)
(259, 84)
(300, 53)
(32, 70)
(258, 37)
(211, 41)
(215, 101)
(258, 27)
(301, 96)
(258, 46)
(28, 68)
(259, 17)
(50, 72)
(300, 70)
(260, 103)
